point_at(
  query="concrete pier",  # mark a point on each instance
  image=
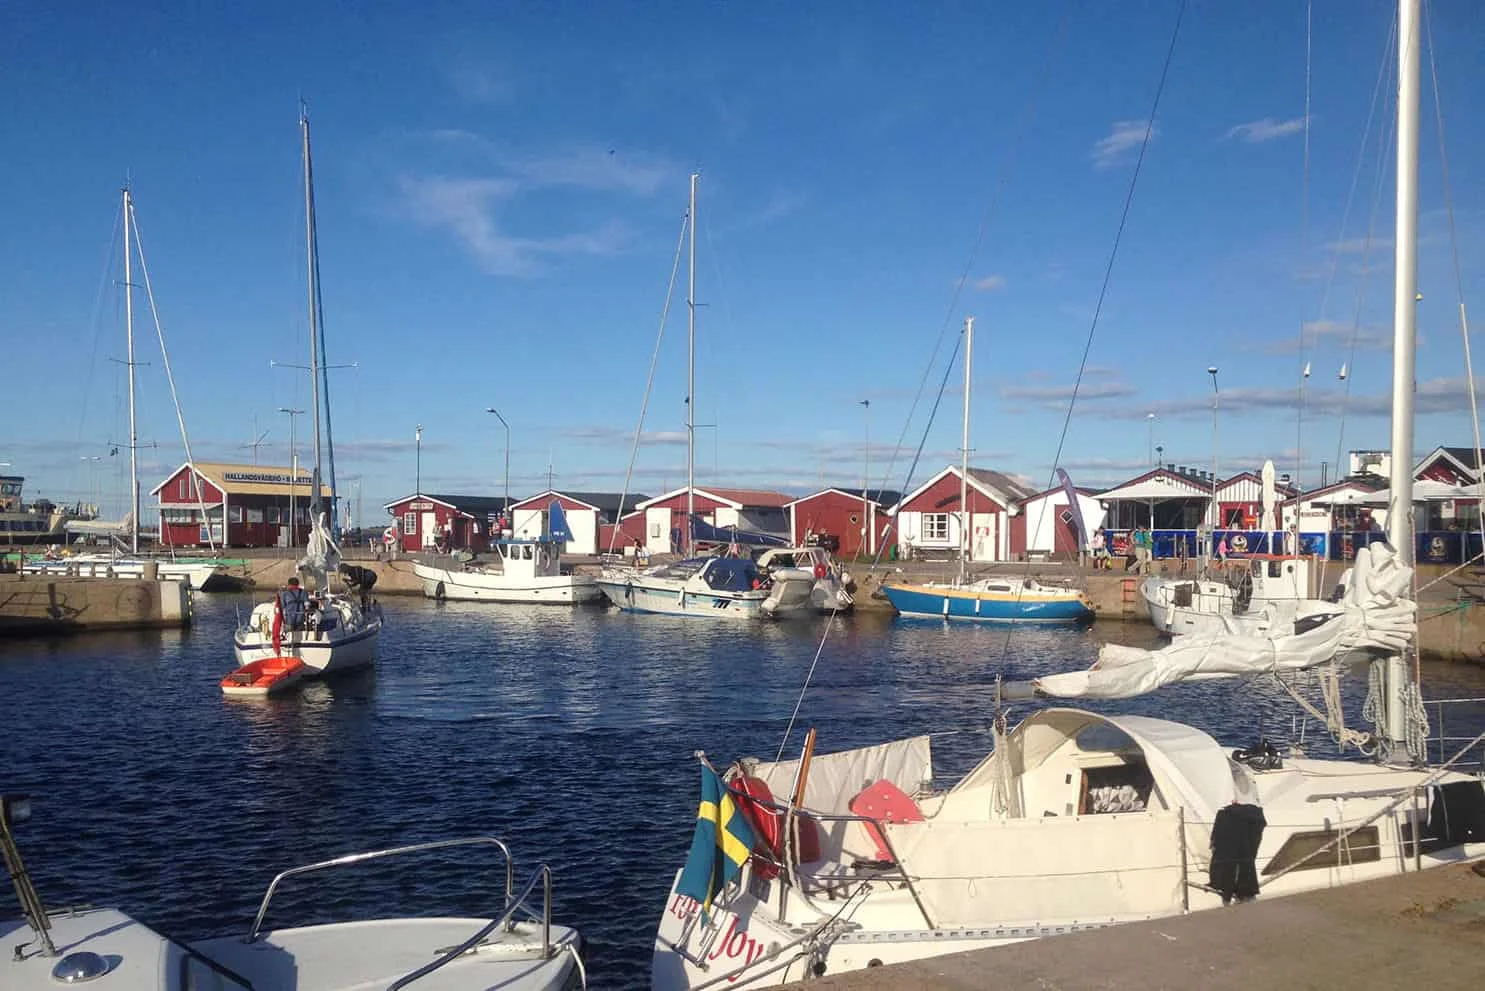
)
(1423, 930)
(36, 604)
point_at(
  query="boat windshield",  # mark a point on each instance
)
(731, 574)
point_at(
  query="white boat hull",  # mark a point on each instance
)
(669, 598)
(350, 644)
(195, 573)
(490, 586)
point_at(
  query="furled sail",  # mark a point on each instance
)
(1374, 616)
(321, 556)
(557, 529)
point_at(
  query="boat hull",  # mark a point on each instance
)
(199, 575)
(640, 596)
(260, 679)
(476, 586)
(323, 652)
(945, 602)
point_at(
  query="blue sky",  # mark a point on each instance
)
(500, 188)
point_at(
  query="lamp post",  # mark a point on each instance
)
(1159, 455)
(1150, 448)
(293, 474)
(867, 524)
(1216, 512)
(418, 463)
(505, 504)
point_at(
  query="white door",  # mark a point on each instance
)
(428, 527)
(982, 537)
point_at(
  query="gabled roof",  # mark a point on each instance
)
(882, 497)
(477, 506)
(1159, 483)
(601, 502)
(735, 498)
(1363, 484)
(991, 484)
(246, 479)
(1281, 489)
(1463, 458)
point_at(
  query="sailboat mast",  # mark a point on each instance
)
(1405, 295)
(686, 539)
(1404, 341)
(314, 325)
(964, 515)
(129, 360)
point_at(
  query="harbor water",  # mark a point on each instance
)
(567, 733)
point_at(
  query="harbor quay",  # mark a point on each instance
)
(1451, 609)
(1424, 930)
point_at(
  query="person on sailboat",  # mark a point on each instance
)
(289, 607)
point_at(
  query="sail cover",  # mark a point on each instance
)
(557, 529)
(702, 530)
(1374, 616)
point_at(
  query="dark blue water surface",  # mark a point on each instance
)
(567, 733)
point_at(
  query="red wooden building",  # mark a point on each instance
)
(245, 506)
(425, 521)
(746, 509)
(862, 525)
(929, 518)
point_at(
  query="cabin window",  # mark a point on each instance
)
(655, 531)
(409, 524)
(275, 515)
(1360, 847)
(936, 526)
(236, 513)
(185, 493)
(526, 552)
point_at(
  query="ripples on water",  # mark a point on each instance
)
(567, 733)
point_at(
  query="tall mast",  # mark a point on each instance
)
(1404, 340)
(964, 515)
(686, 540)
(133, 431)
(314, 325)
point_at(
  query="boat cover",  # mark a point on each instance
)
(1376, 617)
(702, 530)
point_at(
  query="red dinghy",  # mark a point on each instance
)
(265, 677)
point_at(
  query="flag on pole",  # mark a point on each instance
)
(722, 843)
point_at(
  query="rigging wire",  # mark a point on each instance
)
(1464, 324)
(96, 321)
(644, 405)
(1023, 126)
(1304, 248)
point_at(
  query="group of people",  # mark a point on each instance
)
(1141, 550)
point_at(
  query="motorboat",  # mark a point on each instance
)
(517, 947)
(530, 571)
(260, 679)
(710, 587)
(803, 581)
(994, 600)
(1272, 589)
(200, 575)
(38, 522)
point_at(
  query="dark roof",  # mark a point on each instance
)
(473, 505)
(1005, 483)
(607, 502)
(1464, 455)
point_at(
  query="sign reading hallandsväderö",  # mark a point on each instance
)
(420, 505)
(264, 477)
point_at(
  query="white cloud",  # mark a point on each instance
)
(1056, 396)
(1267, 129)
(1124, 136)
(990, 283)
(1316, 332)
(468, 207)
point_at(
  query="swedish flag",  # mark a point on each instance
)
(720, 846)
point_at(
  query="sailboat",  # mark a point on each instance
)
(995, 599)
(711, 587)
(341, 627)
(1081, 819)
(531, 570)
(198, 573)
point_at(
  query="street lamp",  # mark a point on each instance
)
(866, 520)
(1150, 449)
(505, 506)
(293, 473)
(1159, 455)
(1216, 512)
(418, 469)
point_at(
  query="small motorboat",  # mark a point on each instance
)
(515, 947)
(261, 678)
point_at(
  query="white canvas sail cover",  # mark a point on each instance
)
(1375, 616)
(321, 556)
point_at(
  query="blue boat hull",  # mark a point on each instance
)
(950, 603)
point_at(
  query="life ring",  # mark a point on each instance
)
(820, 571)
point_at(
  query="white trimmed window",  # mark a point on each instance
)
(935, 527)
(409, 524)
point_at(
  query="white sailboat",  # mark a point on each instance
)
(1079, 819)
(341, 628)
(129, 563)
(530, 570)
(517, 947)
(709, 587)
